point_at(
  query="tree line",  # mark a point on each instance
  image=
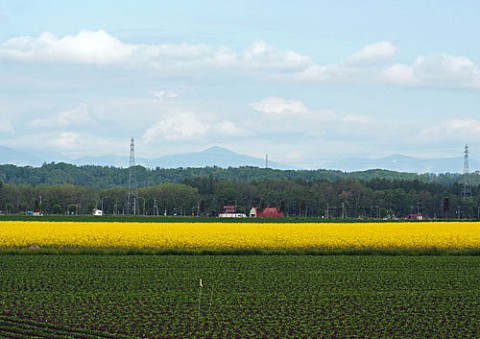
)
(67, 189)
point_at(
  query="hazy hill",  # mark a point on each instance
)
(402, 163)
(224, 158)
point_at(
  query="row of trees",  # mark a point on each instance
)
(344, 198)
(102, 177)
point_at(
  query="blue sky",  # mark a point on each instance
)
(307, 82)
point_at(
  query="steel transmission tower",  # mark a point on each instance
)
(466, 189)
(132, 195)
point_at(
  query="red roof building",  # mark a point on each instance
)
(269, 212)
(229, 209)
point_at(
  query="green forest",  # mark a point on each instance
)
(61, 188)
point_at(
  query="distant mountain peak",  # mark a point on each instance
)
(216, 148)
(212, 156)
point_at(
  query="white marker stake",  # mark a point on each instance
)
(200, 284)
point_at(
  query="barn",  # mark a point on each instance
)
(268, 212)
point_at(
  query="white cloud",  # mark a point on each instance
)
(70, 143)
(436, 71)
(180, 126)
(373, 54)
(445, 68)
(177, 57)
(455, 129)
(400, 75)
(65, 140)
(229, 128)
(287, 117)
(334, 73)
(164, 95)
(261, 55)
(102, 49)
(368, 65)
(277, 105)
(77, 116)
(87, 47)
(292, 119)
(192, 126)
(359, 67)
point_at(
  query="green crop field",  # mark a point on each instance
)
(130, 296)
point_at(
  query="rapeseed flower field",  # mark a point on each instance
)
(238, 236)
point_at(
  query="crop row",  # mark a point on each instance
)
(15, 327)
(246, 296)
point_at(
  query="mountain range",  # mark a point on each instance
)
(222, 157)
(213, 156)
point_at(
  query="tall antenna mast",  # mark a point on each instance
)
(266, 160)
(467, 189)
(132, 198)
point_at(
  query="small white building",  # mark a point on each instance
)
(97, 212)
(232, 215)
(231, 212)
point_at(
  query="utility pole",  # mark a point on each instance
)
(467, 188)
(132, 195)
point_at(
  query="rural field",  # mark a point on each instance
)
(241, 237)
(85, 296)
(161, 280)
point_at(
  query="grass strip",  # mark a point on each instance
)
(433, 251)
(182, 219)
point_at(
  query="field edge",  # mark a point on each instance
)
(321, 251)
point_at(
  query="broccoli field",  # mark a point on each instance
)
(135, 296)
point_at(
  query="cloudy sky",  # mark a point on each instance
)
(305, 82)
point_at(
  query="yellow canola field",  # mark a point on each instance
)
(414, 235)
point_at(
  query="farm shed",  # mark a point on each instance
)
(97, 212)
(415, 216)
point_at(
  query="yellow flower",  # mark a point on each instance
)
(408, 235)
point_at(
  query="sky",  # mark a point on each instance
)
(306, 82)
